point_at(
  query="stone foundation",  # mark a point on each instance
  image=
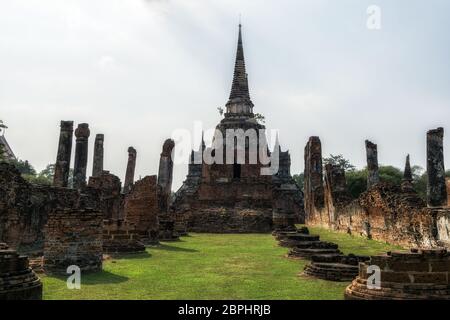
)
(17, 280)
(418, 275)
(121, 237)
(230, 220)
(73, 237)
(334, 267)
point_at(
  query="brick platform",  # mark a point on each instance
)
(17, 280)
(121, 237)
(417, 275)
(334, 267)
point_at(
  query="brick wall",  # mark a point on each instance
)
(73, 237)
(141, 208)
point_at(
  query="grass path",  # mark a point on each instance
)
(205, 266)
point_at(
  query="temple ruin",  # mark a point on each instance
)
(50, 228)
(386, 212)
(224, 196)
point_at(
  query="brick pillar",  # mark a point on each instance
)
(131, 166)
(62, 165)
(313, 188)
(436, 187)
(82, 134)
(97, 167)
(373, 176)
(165, 175)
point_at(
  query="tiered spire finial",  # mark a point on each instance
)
(239, 89)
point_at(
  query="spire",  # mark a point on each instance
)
(407, 175)
(239, 89)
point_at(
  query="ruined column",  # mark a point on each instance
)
(97, 167)
(62, 165)
(313, 188)
(436, 187)
(131, 166)
(372, 164)
(165, 175)
(82, 134)
(407, 176)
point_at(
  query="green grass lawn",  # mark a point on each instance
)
(205, 266)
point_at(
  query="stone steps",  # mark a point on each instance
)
(332, 271)
(327, 261)
(309, 253)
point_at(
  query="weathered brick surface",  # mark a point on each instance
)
(24, 209)
(73, 237)
(119, 236)
(385, 212)
(418, 275)
(141, 208)
(238, 192)
(17, 280)
(109, 189)
(448, 191)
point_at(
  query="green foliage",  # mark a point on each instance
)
(356, 182)
(45, 177)
(207, 266)
(48, 172)
(357, 179)
(24, 167)
(38, 179)
(260, 118)
(299, 180)
(339, 161)
(2, 153)
(390, 174)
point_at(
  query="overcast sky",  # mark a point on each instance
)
(137, 70)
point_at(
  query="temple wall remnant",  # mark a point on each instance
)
(73, 237)
(24, 209)
(141, 209)
(385, 212)
(109, 190)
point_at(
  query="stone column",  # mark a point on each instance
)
(313, 185)
(165, 175)
(82, 134)
(131, 166)
(372, 164)
(62, 165)
(97, 167)
(436, 187)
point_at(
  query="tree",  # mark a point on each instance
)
(260, 118)
(299, 180)
(357, 179)
(48, 172)
(2, 153)
(356, 182)
(24, 167)
(340, 161)
(390, 174)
